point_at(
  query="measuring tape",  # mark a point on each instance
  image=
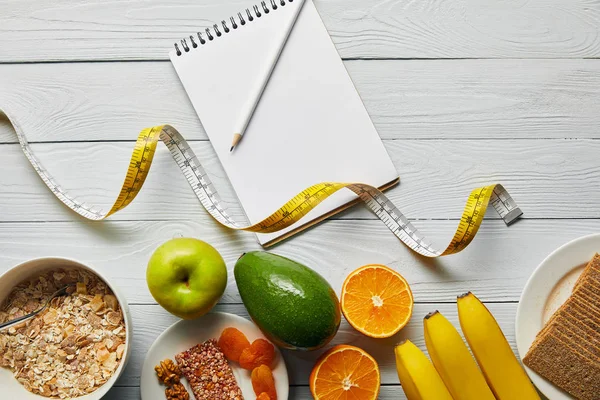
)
(293, 211)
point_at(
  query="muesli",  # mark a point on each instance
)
(74, 346)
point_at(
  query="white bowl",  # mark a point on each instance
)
(11, 389)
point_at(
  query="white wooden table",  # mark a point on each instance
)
(463, 93)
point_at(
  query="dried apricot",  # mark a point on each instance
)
(263, 382)
(260, 352)
(263, 396)
(232, 342)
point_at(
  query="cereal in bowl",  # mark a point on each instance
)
(74, 346)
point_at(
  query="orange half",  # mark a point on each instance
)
(377, 301)
(345, 373)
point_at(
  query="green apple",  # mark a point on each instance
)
(187, 277)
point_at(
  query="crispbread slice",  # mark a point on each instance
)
(591, 291)
(577, 309)
(578, 336)
(544, 330)
(586, 307)
(592, 270)
(591, 280)
(585, 296)
(583, 327)
(584, 292)
(573, 334)
(556, 362)
(591, 287)
(578, 349)
(548, 324)
(585, 310)
(589, 302)
(592, 284)
(569, 307)
(593, 264)
(567, 349)
(586, 271)
(581, 307)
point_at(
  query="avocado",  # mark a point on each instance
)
(293, 305)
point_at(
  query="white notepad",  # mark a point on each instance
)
(310, 125)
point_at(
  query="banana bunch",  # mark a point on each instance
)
(454, 374)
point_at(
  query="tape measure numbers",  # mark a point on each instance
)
(291, 212)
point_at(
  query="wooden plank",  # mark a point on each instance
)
(406, 99)
(392, 392)
(299, 364)
(544, 177)
(123, 393)
(496, 265)
(33, 30)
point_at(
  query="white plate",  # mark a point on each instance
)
(547, 289)
(185, 334)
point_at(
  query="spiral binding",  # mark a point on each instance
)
(256, 11)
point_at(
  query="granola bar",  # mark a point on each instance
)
(208, 373)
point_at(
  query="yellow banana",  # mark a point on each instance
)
(453, 361)
(417, 374)
(503, 372)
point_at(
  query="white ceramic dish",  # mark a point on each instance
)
(547, 289)
(11, 389)
(185, 334)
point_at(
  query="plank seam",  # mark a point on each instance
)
(63, 221)
(482, 138)
(145, 60)
(416, 302)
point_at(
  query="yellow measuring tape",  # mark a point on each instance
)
(292, 211)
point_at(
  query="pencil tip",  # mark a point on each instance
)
(236, 139)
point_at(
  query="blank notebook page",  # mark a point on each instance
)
(310, 125)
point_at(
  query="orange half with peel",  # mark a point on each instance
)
(376, 301)
(345, 373)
